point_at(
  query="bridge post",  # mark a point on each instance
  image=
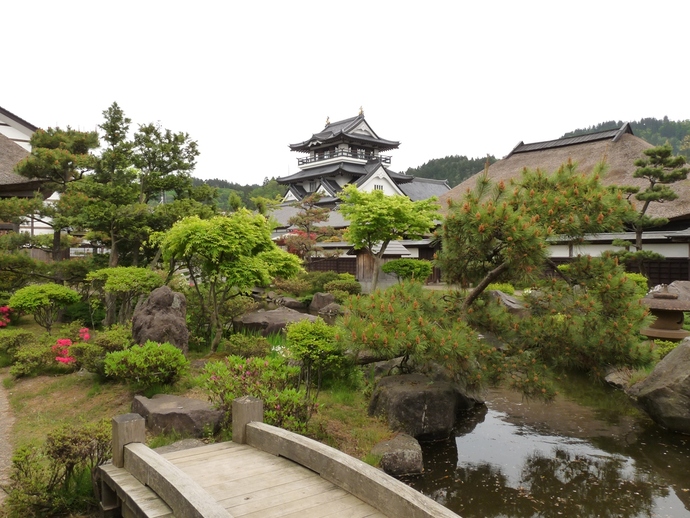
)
(245, 409)
(127, 428)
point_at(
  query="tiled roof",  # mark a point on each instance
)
(326, 170)
(342, 130)
(424, 188)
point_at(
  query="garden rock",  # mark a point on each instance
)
(320, 301)
(269, 322)
(401, 455)
(291, 303)
(680, 287)
(510, 303)
(665, 393)
(162, 318)
(165, 413)
(416, 405)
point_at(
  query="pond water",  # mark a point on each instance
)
(587, 454)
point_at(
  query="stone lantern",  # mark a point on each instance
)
(668, 310)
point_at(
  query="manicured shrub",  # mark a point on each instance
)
(317, 280)
(350, 286)
(116, 338)
(12, 339)
(56, 479)
(32, 359)
(147, 365)
(43, 301)
(270, 379)
(296, 286)
(313, 345)
(408, 269)
(246, 346)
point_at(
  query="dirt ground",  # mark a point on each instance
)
(6, 422)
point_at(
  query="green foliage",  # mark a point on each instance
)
(453, 169)
(500, 231)
(589, 324)
(663, 347)
(408, 269)
(307, 222)
(296, 286)
(147, 365)
(11, 340)
(230, 255)
(505, 287)
(313, 345)
(56, 479)
(270, 379)
(44, 301)
(32, 358)
(246, 346)
(410, 322)
(641, 281)
(376, 220)
(349, 286)
(121, 287)
(317, 280)
(116, 338)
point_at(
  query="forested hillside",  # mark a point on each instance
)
(233, 195)
(654, 131)
(455, 169)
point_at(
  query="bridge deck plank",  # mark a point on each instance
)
(250, 483)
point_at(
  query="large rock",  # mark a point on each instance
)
(162, 318)
(291, 303)
(665, 393)
(320, 301)
(416, 405)
(401, 455)
(510, 303)
(269, 322)
(165, 413)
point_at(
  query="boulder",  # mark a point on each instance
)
(166, 413)
(665, 393)
(680, 287)
(320, 301)
(268, 322)
(619, 378)
(162, 318)
(401, 455)
(291, 303)
(416, 405)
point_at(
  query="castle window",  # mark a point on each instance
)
(378, 187)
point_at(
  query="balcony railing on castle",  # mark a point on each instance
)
(343, 153)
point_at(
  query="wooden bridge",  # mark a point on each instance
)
(264, 472)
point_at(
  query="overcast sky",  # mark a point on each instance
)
(245, 79)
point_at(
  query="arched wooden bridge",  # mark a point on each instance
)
(264, 472)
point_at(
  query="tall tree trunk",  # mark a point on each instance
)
(55, 252)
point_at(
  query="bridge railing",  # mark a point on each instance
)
(139, 475)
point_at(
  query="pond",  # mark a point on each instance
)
(588, 454)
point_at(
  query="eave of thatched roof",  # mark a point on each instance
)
(619, 151)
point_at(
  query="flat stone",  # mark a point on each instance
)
(270, 322)
(165, 413)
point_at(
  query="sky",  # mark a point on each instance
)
(246, 79)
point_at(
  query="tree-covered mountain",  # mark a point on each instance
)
(232, 195)
(655, 131)
(455, 169)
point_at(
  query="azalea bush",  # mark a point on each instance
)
(6, 315)
(270, 379)
(408, 269)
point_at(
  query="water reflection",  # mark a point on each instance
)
(585, 458)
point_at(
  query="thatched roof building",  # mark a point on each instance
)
(618, 148)
(12, 184)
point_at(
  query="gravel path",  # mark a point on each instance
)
(6, 422)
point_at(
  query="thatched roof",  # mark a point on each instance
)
(12, 184)
(619, 148)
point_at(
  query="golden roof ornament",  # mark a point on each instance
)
(328, 120)
(361, 111)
